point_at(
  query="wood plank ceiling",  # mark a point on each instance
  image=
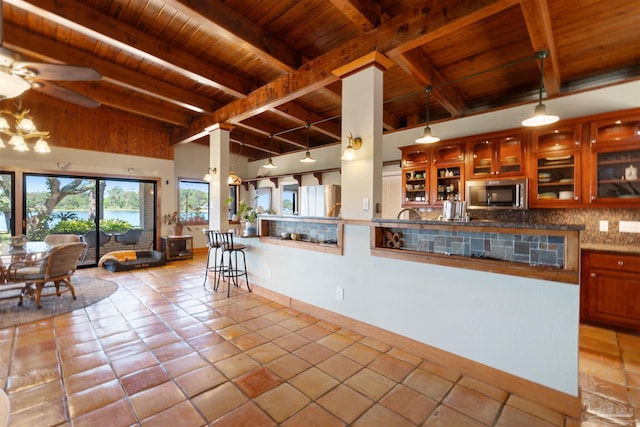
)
(265, 66)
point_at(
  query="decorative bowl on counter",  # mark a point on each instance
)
(285, 235)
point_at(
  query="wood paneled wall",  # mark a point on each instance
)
(99, 129)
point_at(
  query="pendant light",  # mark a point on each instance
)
(540, 116)
(307, 156)
(269, 164)
(427, 137)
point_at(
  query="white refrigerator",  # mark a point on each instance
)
(319, 200)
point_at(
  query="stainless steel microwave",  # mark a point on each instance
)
(497, 194)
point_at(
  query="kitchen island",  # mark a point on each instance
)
(543, 251)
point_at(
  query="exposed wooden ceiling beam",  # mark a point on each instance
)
(302, 116)
(423, 70)
(538, 21)
(399, 35)
(43, 49)
(79, 17)
(232, 26)
(152, 110)
(364, 13)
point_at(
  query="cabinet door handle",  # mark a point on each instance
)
(593, 275)
(620, 263)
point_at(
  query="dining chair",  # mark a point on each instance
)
(130, 237)
(57, 266)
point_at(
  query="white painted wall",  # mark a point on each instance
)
(525, 327)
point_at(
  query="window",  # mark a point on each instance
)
(7, 210)
(194, 201)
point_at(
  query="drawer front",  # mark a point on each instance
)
(627, 263)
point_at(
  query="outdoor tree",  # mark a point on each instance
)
(39, 216)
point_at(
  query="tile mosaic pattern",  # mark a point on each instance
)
(315, 232)
(164, 351)
(522, 248)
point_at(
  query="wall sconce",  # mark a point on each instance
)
(354, 145)
(208, 177)
(427, 137)
(540, 116)
(234, 179)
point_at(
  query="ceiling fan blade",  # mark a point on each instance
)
(60, 72)
(65, 94)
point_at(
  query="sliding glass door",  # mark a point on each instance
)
(7, 207)
(108, 214)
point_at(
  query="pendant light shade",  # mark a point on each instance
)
(540, 116)
(307, 156)
(427, 137)
(269, 164)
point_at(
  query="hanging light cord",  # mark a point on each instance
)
(428, 89)
(541, 55)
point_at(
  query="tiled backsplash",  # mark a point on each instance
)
(522, 248)
(313, 231)
(588, 217)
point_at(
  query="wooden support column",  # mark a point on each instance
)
(362, 86)
(219, 186)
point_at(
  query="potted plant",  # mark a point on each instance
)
(249, 217)
(175, 221)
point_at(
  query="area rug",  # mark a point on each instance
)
(89, 290)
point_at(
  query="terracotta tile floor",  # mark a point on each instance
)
(163, 351)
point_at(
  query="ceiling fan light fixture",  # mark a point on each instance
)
(12, 86)
(41, 146)
(26, 125)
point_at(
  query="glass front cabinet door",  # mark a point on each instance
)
(415, 176)
(496, 157)
(556, 161)
(447, 181)
(615, 159)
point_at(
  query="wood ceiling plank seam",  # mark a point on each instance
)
(237, 29)
(76, 15)
(538, 22)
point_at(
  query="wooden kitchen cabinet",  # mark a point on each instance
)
(502, 155)
(615, 161)
(610, 289)
(415, 165)
(432, 174)
(555, 178)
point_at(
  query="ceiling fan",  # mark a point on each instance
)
(17, 76)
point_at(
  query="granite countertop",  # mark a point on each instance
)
(603, 247)
(488, 224)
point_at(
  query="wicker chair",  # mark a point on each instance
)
(58, 239)
(57, 266)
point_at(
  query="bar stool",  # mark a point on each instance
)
(213, 244)
(230, 270)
